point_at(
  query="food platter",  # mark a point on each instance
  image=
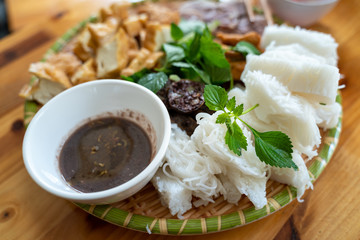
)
(144, 211)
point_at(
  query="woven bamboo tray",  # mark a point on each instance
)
(144, 211)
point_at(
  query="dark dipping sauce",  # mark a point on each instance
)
(104, 153)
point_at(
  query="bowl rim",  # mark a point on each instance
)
(77, 195)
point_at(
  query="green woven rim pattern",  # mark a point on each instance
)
(202, 225)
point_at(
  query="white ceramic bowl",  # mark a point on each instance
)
(301, 12)
(58, 118)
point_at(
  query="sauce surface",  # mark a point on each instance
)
(104, 153)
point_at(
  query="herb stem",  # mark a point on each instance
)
(250, 109)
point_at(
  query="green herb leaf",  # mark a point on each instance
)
(218, 75)
(127, 78)
(173, 53)
(222, 118)
(238, 110)
(231, 104)
(136, 76)
(154, 81)
(176, 32)
(190, 26)
(202, 74)
(235, 139)
(274, 148)
(207, 34)
(215, 97)
(194, 48)
(212, 52)
(181, 64)
(245, 48)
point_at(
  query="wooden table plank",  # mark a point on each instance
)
(21, 12)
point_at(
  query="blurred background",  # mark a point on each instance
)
(15, 14)
(4, 26)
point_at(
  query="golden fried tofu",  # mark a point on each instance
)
(112, 57)
(137, 63)
(144, 59)
(87, 72)
(153, 59)
(50, 82)
(84, 46)
(104, 13)
(134, 24)
(133, 44)
(132, 54)
(159, 13)
(120, 9)
(156, 35)
(65, 61)
(47, 71)
(101, 33)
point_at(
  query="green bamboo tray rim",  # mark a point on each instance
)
(202, 225)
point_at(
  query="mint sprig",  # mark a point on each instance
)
(273, 148)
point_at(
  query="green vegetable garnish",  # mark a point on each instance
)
(136, 76)
(195, 56)
(245, 48)
(176, 32)
(273, 148)
(173, 53)
(154, 81)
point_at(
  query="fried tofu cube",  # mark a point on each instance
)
(137, 63)
(103, 32)
(144, 59)
(156, 35)
(84, 46)
(50, 82)
(112, 57)
(105, 13)
(160, 14)
(153, 59)
(120, 9)
(65, 61)
(134, 24)
(86, 73)
(45, 70)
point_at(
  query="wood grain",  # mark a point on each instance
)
(330, 211)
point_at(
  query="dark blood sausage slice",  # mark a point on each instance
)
(184, 121)
(186, 96)
(163, 94)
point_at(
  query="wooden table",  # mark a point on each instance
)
(330, 211)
